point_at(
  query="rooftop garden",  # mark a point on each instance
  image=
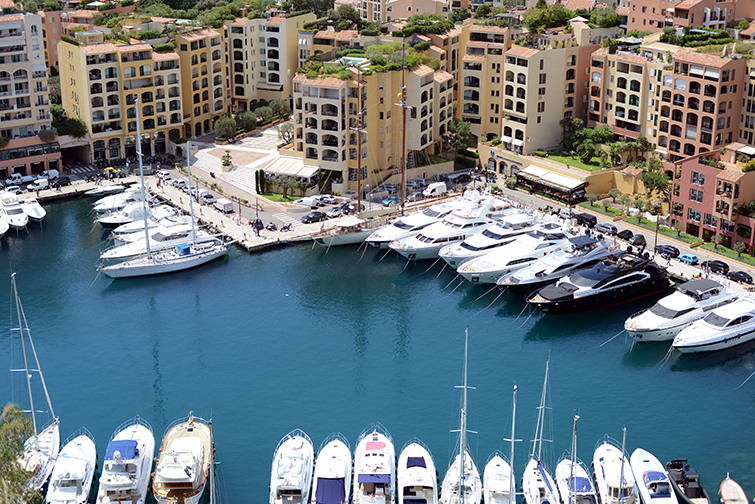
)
(544, 16)
(704, 39)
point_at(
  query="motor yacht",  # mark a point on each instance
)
(130, 213)
(496, 480)
(33, 209)
(724, 327)
(163, 215)
(4, 226)
(504, 231)
(653, 482)
(416, 476)
(411, 224)
(608, 283)
(291, 475)
(454, 228)
(582, 252)
(685, 480)
(518, 254)
(184, 463)
(613, 474)
(105, 190)
(116, 202)
(160, 239)
(332, 477)
(12, 211)
(127, 466)
(690, 302)
(72, 475)
(374, 467)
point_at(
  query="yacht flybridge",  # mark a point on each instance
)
(411, 224)
(291, 476)
(374, 467)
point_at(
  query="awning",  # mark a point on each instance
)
(518, 143)
(291, 166)
(506, 139)
(125, 447)
(330, 491)
(561, 181)
(269, 87)
(750, 151)
(713, 74)
(374, 478)
(534, 171)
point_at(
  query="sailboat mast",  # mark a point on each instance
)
(621, 481)
(512, 483)
(463, 442)
(27, 376)
(141, 173)
(573, 484)
(191, 201)
(538, 441)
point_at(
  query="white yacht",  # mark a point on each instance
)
(291, 476)
(104, 190)
(462, 483)
(613, 474)
(411, 224)
(180, 257)
(332, 478)
(374, 467)
(33, 209)
(505, 230)
(724, 327)
(496, 480)
(163, 215)
(12, 211)
(72, 476)
(654, 484)
(455, 227)
(416, 476)
(520, 253)
(160, 239)
(572, 477)
(116, 202)
(131, 212)
(127, 465)
(4, 226)
(691, 301)
(582, 252)
(185, 461)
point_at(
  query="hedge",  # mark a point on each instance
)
(727, 252)
(468, 153)
(611, 212)
(664, 231)
(164, 47)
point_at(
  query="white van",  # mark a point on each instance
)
(38, 185)
(435, 189)
(17, 179)
(310, 201)
(50, 175)
(224, 205)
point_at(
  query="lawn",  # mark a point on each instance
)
(575, 161)
(278, 198)
(664, 231)
(611, 212)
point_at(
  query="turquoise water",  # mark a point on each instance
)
(331, 342)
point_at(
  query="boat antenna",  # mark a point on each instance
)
(191, 201)
(573, 485)
(540, 427)
(463, 430)
(621, 481)
(360, 132)
(141, 174)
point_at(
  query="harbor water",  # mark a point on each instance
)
(331, 341)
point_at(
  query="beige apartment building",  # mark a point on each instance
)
(327, 108)
(24, 104)
(203, 83)
(388, 10)
(103, 83)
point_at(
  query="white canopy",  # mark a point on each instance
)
(291, 166)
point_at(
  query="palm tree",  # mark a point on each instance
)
(643, 145)
(615, 150)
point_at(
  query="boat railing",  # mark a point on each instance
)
(190, 418)
(606, 439)
(498, 453)
(82, 431)
(332, 437)
(375, 427)
(137, 420)
(51, 421)
(638, 313)
(418, 441)
(294, 433)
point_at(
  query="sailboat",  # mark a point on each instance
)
(499, 485)
(538, 485)
(41, 449)
(178, 258)
(572, 477)
(462, 484)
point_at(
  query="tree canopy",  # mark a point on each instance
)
(15, 429)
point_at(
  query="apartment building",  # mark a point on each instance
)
(52, 29)
(747, 118)
(654, 15)
(709, 190)
(203, 83)
(327, 108)
(103, 83)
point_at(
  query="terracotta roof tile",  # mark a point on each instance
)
(10, 18)
(81, 14)
(730, 175)
(600, 53)
(488, 29)
(275, 20)
(442, 76)
(134, 47)
(6, 4)
(748, 31)
(522, 52)
(317, 81)
(622, 11)
(478, 43)
(687, 4)
(631, 58)
(98, 48)
(711, 60)
(473, 57)
(421, 70)
(341, 35)
(240, 21)
(580, 4)
(165, 56)
(163, 19)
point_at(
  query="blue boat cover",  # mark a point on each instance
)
(330, 491)
(374, 478)
(183, 249)
(653, 476)
(415, 462)
(127, 447)
(415, 501)
(546, 479)
(580, 484)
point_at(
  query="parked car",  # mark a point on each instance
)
(464, 178)
(411, 184)
(12, 189)
(164, 175)
(586, 219)
(421, 182)
(739, 276)
(637, 240)
(328, 199)
(667, 250)
(334, 212)
(608, 229)
(390, 188)
(624, 234)
(313, 217)
(715, 266)
(208, 199)
(392, 201)
(688, 258)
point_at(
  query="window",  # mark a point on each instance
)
(698, 178)
(542, 77)
(696, 195)
(693, 215)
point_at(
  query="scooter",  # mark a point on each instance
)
(287, 227)
(271, 226)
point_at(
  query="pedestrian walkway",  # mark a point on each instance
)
(286, 219)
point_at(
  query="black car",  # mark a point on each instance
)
(625, 234)
(715, 266)
(739, 276)
(586, 219)
(637, 240)
(314, 217)
(63, 181)
(667, 250)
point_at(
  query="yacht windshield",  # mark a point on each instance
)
(432, 213)
(716, 320)
(15, 211)
(403, 225)
(467, 246)
(489, 233)
(668, 313)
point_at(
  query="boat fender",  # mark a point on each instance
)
(592, 464)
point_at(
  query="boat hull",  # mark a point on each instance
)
(538, 485)
(730, 340)
(76, 461)
(471, 478)
(731, 492)
(681, 475)
(496, 483)
(191, 492)
(333, 463)
(332, 240)
(291, 475)
(119, 486)
(40, 454)
(653, 482)
(145, 267)
(413, 480)
(600, 300)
